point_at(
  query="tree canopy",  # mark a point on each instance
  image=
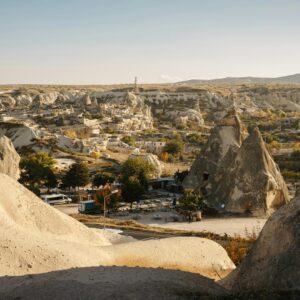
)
(190, 202)
(77, 175)
(128, 139)
(37, 170)
(173, 147)
(137, 167)
(102, 179)
(132, 189)
(134, 175)
(179, 176)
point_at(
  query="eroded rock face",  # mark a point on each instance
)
(9, 158)
(236, 176)
(249, 180)
(273, 263)
(226, 134)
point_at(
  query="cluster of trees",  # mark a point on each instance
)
(172, 149)
(37, 169)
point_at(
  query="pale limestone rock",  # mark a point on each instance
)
(249, 180)
(273, 263)
(226, 134)
(9, 158)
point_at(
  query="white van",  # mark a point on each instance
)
(56, 198)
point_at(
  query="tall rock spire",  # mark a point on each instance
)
(226, 134)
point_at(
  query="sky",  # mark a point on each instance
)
(112, 41)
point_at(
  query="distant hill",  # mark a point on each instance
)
(246, 80)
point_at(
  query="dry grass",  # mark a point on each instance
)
(238, 247)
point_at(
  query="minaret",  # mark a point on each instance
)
(135, 89)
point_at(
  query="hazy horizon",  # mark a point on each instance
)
(111, 41)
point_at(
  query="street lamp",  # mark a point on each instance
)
(104, 201)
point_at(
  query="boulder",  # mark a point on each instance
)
(226, 134)
(249, 180)
(7, 101)
(273, 263)
(43, 99)
(9, 158)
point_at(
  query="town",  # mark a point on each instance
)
(149, 150)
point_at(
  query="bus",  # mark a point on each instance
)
(56, 198)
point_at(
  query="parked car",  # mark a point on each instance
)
(56, 198)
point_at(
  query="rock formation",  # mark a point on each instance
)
(235, 177)
(37, 238)
(96, 283)
(9, 158)
(226, 134)
(249, 180)
(273, 263)
(20, 134)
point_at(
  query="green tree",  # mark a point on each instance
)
(137, 167)
(111, 200)
(37, 171)
(134, 175)
(195, 139)
(179, 176)
(173, 147)
(77, 175)
(132, 189)
(190, 202)
(102, 178)
(128, 139)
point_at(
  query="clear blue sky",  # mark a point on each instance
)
(111, 41)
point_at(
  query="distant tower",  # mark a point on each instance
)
(135, 89)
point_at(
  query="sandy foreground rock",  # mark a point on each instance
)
(36, 238)
(273, 263)
(9, 158)
(109, 283)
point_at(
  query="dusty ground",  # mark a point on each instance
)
(244, 227)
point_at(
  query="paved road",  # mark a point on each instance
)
(68, 209)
